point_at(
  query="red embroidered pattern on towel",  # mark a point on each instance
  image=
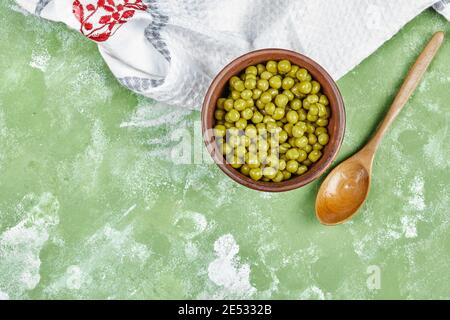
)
(101, 19)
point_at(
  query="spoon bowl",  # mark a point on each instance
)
(343, 192)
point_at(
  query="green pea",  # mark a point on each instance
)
(279, 177)
(226, 149)
(297, 131)
(275, 82)
(219, 114)
(228, 124)
(302, 155)
(261, 68)
(291, 141)
(270, 172)
(292, 166)
(302, 125)
(322, 122)
(240, 104)
(273, 92)
(301, 142)
(261, 127)
(301, 170)
(235, 94)
(246, 94)
(281, 100)
(239, 85)
(252, 161)
(245, 170)
(284, 147)
(306, 104)
(259, 104)
(317, 146)
(266, 75)
(308, 148)
(314, 110)
(286, 174)
(269, 108)
(289, 94)
(296, 90)
(233, 80)
(293, 71)
(251, 131)
(272, 66)
(288, 128)
(315, 87)
(323, 100)
(314, 156)
(281, 164)
(323, 139)
(310, 128)
(307, 162)
(247, 113)
(312, 98)
(262, 84)
(312, 138)
(278, 113)
(241, 151)
(283, 136)
(256, 94)
(249, 103)
(296, 104)
(305, 87)
(287, 83)
(256, 174)
(284, 66)
(232, 116)
(251, 70)
(220, 103)
(311, 118)
(245, 141)
(220, 131)
(302, 74)
(292, 117)
(266, 97)
(250, 84)
(302, 115)
(292, 154)
(322, 110)
(320, 130)
(233, 141)
(249, 76)
(262, 145)
(268, 118)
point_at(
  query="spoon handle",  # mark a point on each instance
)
(408, 87)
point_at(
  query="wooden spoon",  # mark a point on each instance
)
(346, 188)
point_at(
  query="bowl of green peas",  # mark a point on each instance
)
(273, 120)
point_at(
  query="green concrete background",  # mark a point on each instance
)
(91, 205)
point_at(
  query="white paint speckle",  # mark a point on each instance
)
(417, 198)
(4, 296)
(409, 226)
(21, 245)
(39, 60)
(227, 271)
(312, 293)
(74, 277)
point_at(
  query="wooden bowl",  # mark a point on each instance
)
(336, 125)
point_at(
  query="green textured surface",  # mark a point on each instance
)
(91, 206)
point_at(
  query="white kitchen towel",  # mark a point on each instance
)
(170, 50)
